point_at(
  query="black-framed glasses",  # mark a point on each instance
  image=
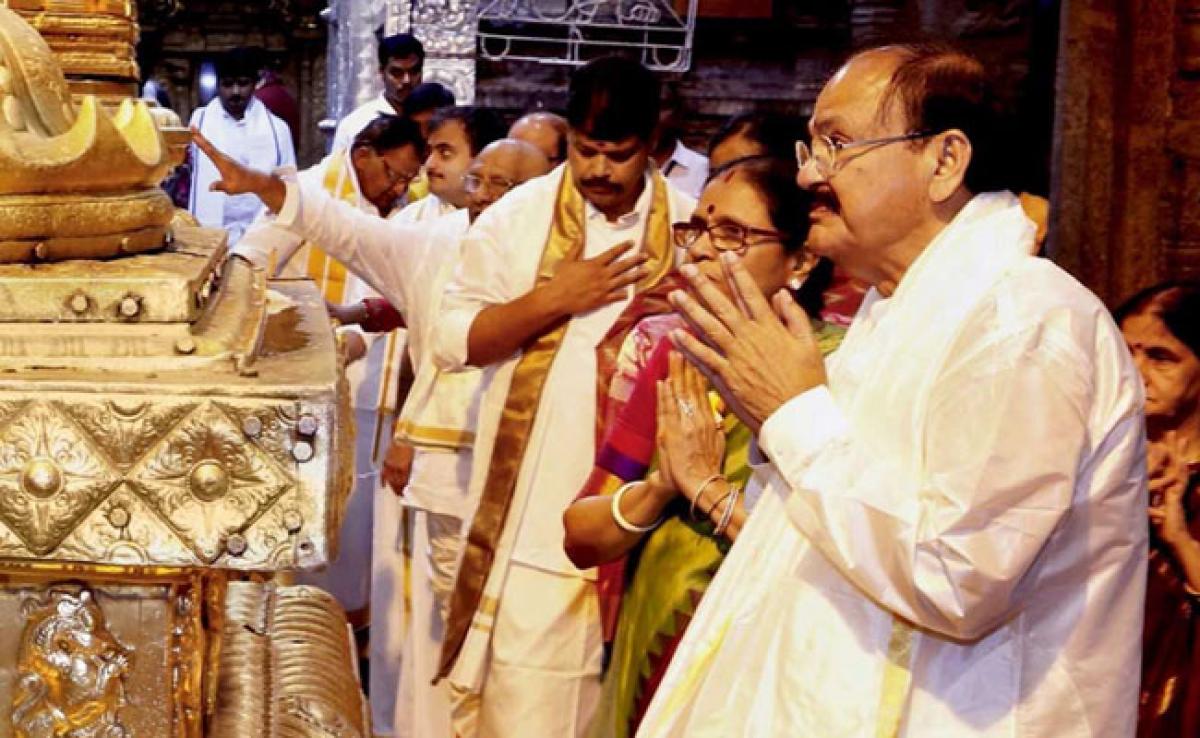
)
(394, 178)
(724, 236)
(825, 153)
(473, 183)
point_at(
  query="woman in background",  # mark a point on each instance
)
(1162, 327)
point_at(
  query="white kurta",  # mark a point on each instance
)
(687, 170)
(259, 141)
(352, 124)
(971, 484)
(542, 672)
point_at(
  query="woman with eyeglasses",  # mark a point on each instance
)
(1162, 327)
(664, 501)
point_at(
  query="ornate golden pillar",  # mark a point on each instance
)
(173, 433)
(94, 41)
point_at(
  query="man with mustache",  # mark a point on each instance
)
(948, 539)
(546, 277)
(239, 124)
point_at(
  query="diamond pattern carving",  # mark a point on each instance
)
(51, 476)
(207, 482)
(278, 423)
(125, 429)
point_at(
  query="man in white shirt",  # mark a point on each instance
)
(683, 167)
(949, 538)
(410, 266)
(545, 275)
(383, 159)
(456, 136)
(242, 126)
(401, 64)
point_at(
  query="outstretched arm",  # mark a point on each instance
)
(240, 180)
(383, 253)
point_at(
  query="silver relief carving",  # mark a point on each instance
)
(70, 670)
(448, 29)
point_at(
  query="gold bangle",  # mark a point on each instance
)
(699, 492)
(721, 499)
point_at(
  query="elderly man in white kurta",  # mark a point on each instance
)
(949, 537)
(541, 285)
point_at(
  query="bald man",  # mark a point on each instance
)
(499, 167)
(438, 421)
(546, 131)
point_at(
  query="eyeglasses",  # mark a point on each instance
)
(724, 236)
(394, 178)
(825, 151)
(473, 183)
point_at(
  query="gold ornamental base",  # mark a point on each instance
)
(84, 226)
(174, 429)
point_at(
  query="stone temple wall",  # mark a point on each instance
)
(780, 59)
(771, 54)
(1126, 163)
(179, 35)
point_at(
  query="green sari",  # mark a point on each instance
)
(658, 586)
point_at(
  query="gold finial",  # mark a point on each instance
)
(75, 181)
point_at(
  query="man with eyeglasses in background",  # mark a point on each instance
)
(948, 539)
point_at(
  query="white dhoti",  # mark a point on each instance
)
(422, 709)
(390, 618)
(546, 656)
(437, 495)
